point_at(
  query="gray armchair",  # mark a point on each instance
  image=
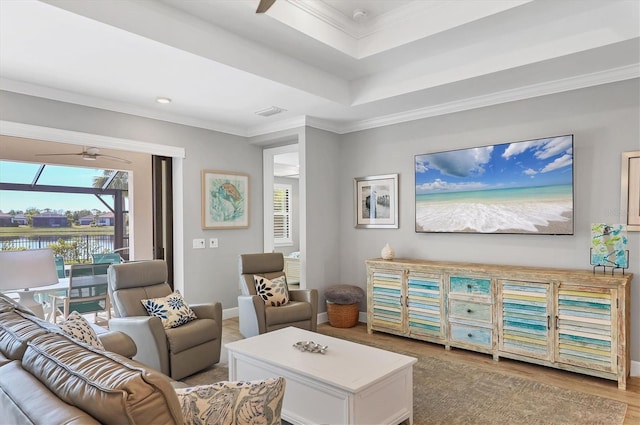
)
(176, 352)
(258, 318)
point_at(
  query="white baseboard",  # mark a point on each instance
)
(635, 368)
(228, 313)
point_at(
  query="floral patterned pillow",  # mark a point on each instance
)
(173, 310)
(233, 403)
(273, 292)
(79, 329)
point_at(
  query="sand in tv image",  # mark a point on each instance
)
(520, 187)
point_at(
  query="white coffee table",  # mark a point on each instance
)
(349, 384)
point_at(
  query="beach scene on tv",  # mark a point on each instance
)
(520, 187)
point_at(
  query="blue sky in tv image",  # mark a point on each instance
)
(520, 187)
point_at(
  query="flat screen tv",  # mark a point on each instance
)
(522, 187)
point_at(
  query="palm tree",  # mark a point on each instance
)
(120, 181)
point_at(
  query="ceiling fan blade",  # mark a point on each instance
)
(264, 5)
(58, 154)
(113, 158)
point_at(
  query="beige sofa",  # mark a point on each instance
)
(48, 378)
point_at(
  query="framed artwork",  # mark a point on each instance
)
(630, 190)
(376, 201)
(225, 200)
(609, 245)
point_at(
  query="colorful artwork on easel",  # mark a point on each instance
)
(609, 245)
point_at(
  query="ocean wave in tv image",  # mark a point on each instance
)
(544, 210)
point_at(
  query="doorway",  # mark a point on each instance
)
(283, 220)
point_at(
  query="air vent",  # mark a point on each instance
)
(272, 110)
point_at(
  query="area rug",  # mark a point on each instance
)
(451, 393)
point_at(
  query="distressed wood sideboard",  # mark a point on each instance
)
(567, 319)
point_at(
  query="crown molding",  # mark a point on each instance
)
(109, 105)
(526, 92)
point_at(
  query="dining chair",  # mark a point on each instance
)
(108, 258)
(87, 292)
(60, 266)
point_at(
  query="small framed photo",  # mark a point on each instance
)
(630, 190)
(376, 201)
(225, 200)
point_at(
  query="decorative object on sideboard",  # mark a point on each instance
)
(387, 252)
(225, 200)
(609, 247)
(21, 270)
(376, 201)
(630, 190)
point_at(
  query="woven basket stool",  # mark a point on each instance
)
(343, 305)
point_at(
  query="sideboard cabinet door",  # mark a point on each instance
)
(587, 327)
(525, 319)
(385, 296)
(425, 305)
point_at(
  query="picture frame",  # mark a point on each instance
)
(630, 190)
(225, 200)
(376, 201)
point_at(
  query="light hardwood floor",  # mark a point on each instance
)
(562, 379)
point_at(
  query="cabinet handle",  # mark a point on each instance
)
(469, 310)
(556, 322)
(470, 335)
(548, 322)
(469, 286)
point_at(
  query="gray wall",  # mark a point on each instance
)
(320, 153)
(605, 122)
(210, 274)
(603, 119)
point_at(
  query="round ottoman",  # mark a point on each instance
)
(343, 305)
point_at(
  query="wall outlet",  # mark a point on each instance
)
(198, 244)
(213, 242)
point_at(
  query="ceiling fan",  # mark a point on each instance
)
(89, 154)
(264, 5)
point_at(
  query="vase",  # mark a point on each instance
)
(387, 253)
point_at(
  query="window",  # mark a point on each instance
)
(282, 215)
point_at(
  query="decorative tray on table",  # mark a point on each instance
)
(310, 346)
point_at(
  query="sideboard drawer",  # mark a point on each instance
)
(469, 310)
(471, 334)
(470, 285)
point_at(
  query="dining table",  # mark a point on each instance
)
(90, 281)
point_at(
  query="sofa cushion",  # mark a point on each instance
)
(173, 310)
(111, 388)
(30, 402)
(79, 329)
(272, 291)
(16, 329)
(233, 403)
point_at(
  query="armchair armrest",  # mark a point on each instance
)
(119, 343)
(208, 311)
(252, 318)
(310, 296)
(150, 339)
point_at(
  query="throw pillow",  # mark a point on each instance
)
(79, 329)
(173, 310)
(231, 403)
(273, 292)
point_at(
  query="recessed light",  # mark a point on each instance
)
(163, 100)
